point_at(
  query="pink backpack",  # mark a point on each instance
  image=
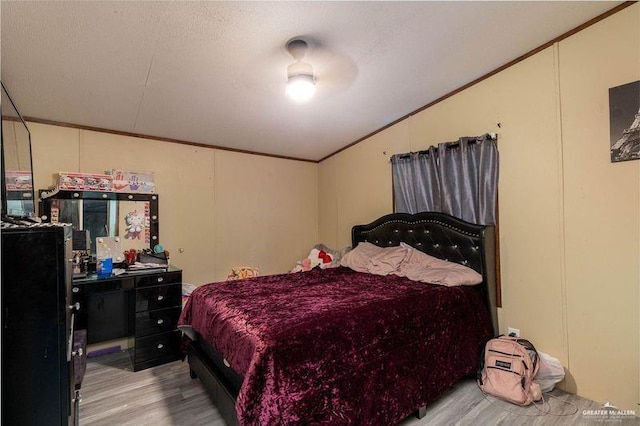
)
(508, 369)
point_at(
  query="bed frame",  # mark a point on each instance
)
(436, 234)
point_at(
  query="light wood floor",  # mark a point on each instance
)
(165, 395)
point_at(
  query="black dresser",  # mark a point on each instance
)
(144, 306)
(37, 326)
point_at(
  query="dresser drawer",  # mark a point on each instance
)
(157, 346)
(159, 279)
(158, 297)
(159, 321)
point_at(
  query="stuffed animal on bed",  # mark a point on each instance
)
(317, 259)
(242, 272)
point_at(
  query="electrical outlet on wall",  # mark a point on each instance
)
(515, 331)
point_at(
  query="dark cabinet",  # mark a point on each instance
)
(142, 305)
(158, 305)
(108, 307)
(37, 326)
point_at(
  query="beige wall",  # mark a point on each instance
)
(570, 237)
(221, 209)
(266, 211)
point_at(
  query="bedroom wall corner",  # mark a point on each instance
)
(327, 204)
(266, 210)
(363, 179)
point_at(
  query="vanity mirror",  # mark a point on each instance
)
(133, 217)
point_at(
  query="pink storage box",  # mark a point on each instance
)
(84, 181)
(18, 180)
(126, 181)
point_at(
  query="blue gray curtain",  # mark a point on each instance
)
(459, 178)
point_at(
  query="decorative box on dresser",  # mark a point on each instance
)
(38, 383)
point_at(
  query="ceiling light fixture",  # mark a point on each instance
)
(301, 85)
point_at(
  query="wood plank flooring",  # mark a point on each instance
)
(165, 395)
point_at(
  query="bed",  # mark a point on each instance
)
(337, 346)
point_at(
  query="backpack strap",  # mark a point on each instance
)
(529, 346)
(481, 363)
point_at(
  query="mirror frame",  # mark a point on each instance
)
(60, 194)
(12, 195)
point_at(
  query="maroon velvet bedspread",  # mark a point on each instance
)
(337, 346)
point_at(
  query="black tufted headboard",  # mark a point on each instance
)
(441, 236)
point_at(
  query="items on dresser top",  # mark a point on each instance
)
(143, 305)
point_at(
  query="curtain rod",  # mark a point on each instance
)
(493, 136)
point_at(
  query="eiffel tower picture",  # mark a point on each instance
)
(624, 114)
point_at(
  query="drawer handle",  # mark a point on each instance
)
(75, 307)
(160, 279)
(75, 289)
(160, 346)
(160, 321)
(160, 298)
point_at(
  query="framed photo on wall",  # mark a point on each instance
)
(624, 122)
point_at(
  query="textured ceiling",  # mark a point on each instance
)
(214, 72)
